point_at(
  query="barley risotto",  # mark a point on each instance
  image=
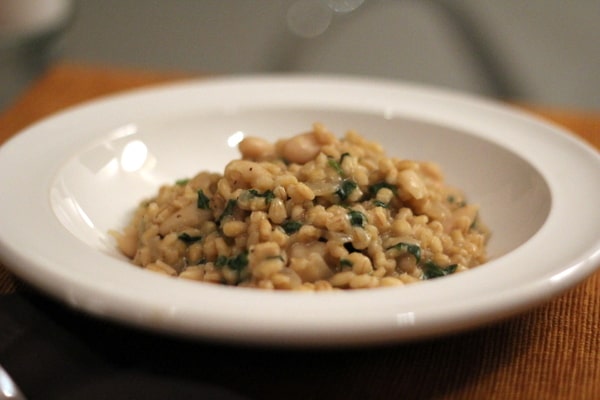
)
(310, 212)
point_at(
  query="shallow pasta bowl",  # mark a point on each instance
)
(71, 178)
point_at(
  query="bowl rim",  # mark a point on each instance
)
(337, 324)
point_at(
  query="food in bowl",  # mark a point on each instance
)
(309, 212)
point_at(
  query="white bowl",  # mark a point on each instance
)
(71, 178)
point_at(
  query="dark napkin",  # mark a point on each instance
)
(53, 352)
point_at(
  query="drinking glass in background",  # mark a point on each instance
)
(28, 32)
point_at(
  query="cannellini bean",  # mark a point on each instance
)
(252, 173)
(412, 183)
(256, 148)
(463, 217)
(188, 216)
(301, 148)
(307, 261)
(310, 269)
(303, 250)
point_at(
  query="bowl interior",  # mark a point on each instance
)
(97, 189)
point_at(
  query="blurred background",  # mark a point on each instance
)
(544, 52)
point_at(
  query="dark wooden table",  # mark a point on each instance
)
(552, 352)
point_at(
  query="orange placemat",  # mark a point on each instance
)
(552, 352)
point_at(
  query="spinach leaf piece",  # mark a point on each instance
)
(376, 187)
(453, 200)
(413, 249)
(221, 261)
(431, 270)
(267, 195)
(231, 203)
(474, 223)
(337, 165)
(188, 239)
(203, 201)
(357, 218)
(378, 203)
(237, 263)
(346, 187)
(291, 226)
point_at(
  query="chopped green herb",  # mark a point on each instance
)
(335, 165)
(268, 195)
(291, 226)
(344, 262)
(453, 200)
(203, 201)
(357, 218)
(221, 261)
(379, 203)
(431, 270)
(474, 223)
(236, 263)
(346, 187)
(376, 187)
(182, 182)
(231, 203)
(350, 248)
(413, 249)
(188, 239)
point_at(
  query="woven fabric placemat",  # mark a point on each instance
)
(551, 352)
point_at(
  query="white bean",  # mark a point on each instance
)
(256, 148)
(301, 148)
(412, 183)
